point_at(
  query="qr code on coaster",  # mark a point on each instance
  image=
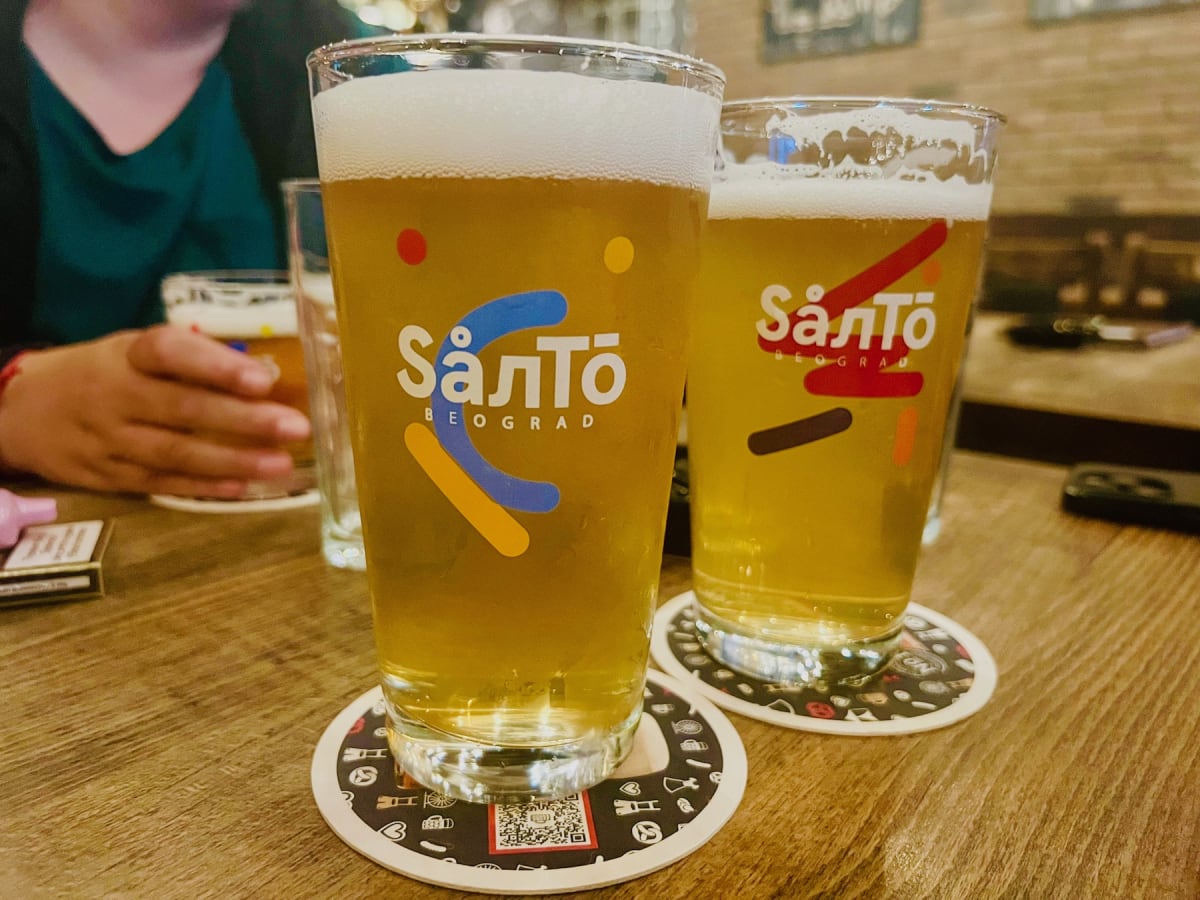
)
(564, 824)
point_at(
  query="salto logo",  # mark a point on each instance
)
(864, 368)
(485, 495)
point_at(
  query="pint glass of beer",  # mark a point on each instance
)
(840, 264)
(253, 311)
(514, 228)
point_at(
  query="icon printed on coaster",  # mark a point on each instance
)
(940, 674)
(310, 497)
(682, 781)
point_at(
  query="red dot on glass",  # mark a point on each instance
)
(410, 245)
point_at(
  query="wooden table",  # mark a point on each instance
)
(1100, 402)
(157, 741)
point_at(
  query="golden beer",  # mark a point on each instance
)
(545, 646)
(816, 543)
(512, 275)
(826, 342)
(285, 355)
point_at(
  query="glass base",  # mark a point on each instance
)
(302, 479)
(933, 525)
(344, 554)
(851, 663)
(482, 773)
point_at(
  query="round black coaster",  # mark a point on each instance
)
(940, 675)
(681, 783)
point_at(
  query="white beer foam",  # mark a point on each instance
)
(875, 119)
(762, 192)
(902, 188)
(504, 123)
(275, 319)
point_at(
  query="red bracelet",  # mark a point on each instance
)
(11, 371)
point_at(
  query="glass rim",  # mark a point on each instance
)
(549, 44)
(835, 102)
(231, 276)
(290, 185)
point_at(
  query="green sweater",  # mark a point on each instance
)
(264, 57)
(114, 225)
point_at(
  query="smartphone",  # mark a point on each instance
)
(1160, 498)
(1144, 334)
(1069, 332)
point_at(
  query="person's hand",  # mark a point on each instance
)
(164, 410)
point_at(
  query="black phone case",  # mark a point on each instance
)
(1160, 498)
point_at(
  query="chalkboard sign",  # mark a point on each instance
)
(795, 29)
(1057, 10)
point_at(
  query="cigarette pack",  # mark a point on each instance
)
(51, 563)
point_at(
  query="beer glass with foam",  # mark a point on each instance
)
(255, 312)
(514, 229)
(840, 264)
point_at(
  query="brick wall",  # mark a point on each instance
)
(1102, 113)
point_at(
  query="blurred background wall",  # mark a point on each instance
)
(1097, 203)
(1104, 109)
(1104, 112)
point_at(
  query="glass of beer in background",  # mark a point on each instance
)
(308, 255)
(253, 311)
(839, 269)
(514, 229)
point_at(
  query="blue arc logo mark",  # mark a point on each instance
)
(487, 323)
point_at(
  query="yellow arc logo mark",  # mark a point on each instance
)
(487, 516)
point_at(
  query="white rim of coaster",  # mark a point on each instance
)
(362, 838)
(311, 497)
(968, 703)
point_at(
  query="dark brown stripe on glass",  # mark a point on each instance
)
(802, 431)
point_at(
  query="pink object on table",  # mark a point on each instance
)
(17, 512)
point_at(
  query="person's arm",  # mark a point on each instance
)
(163, 410)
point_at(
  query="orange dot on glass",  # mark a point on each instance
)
(618, 255)
(410, 246)
(931, 272)
(906, 435)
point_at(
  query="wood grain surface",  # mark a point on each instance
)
(157, 741)
(1156, 387)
